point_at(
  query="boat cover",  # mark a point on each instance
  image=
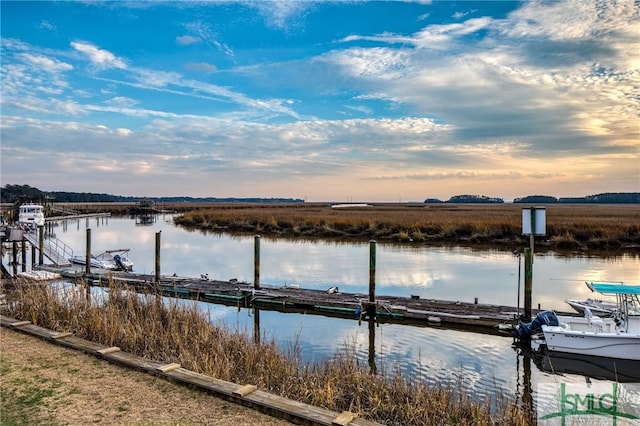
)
(608, 288)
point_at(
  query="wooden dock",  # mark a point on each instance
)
(247, 394)
(484, 318)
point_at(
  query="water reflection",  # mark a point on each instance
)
(557, 363)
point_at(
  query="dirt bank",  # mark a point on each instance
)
(42, 383)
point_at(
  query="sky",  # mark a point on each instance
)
(323, 101)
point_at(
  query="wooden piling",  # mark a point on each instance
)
(371, 309)
(33, 256)
(41, 245)
(24, 255)
(87, 252)
(157, 279)
(256, 262)
(14, 258)
(528, 282)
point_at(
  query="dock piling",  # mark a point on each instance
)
(33, 256)
(24, 254)
(14, 258)
(371, 308)
(256, 262)
(87, 253)
(41, 245)
(528, 282)
(157, 277)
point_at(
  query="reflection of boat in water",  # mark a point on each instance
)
(109, 259)
(604, 368)
(615, 337)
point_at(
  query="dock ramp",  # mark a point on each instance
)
(53, 249)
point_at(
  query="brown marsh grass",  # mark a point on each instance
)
(587, 227)
(175, 331)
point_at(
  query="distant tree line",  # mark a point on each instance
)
(467, 199)
(606, 198)
(24, 193)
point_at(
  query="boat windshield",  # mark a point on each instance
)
(633, 305)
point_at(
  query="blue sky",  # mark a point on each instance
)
(325, 101)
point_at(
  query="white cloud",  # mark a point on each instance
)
(121, 101)
(204, 32)
(47, 25)
(282, 14)
(200, 67)
(44, 63)
(99, 57)
(187, 39)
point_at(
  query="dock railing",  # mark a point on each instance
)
(53, 248)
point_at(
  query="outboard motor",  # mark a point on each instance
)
(527, 329)
(119, 262)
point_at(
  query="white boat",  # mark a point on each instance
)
(31, 215)
(596, 306)
(94, 262)
(109, 259)
(617, 336)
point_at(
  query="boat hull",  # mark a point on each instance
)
(609, 345)
(95, 263)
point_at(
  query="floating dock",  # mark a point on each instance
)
(485, 318)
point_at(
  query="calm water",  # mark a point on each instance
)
(483, 364)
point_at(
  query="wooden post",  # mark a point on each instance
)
(24, 255)
(157, 278)
(371, 309)
(41, 244)
(528, 282)
(33, 256)
(256, 262)
(14, 260)
(87, 252)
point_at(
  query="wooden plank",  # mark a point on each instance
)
(345, 418)
(129, 360)
(168, 367)
(35, 330)
(291, 408)
(6, 321)
(245, 390)
(19, 323)
(211, 384)
(83, 345)
(108, 350)
(60, 335)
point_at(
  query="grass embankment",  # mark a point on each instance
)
(178, 332)
(586, 227)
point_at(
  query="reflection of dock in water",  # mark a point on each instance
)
(145, 219)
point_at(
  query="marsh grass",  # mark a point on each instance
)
(602, 227)
(170, 330)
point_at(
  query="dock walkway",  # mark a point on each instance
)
(406, 310)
